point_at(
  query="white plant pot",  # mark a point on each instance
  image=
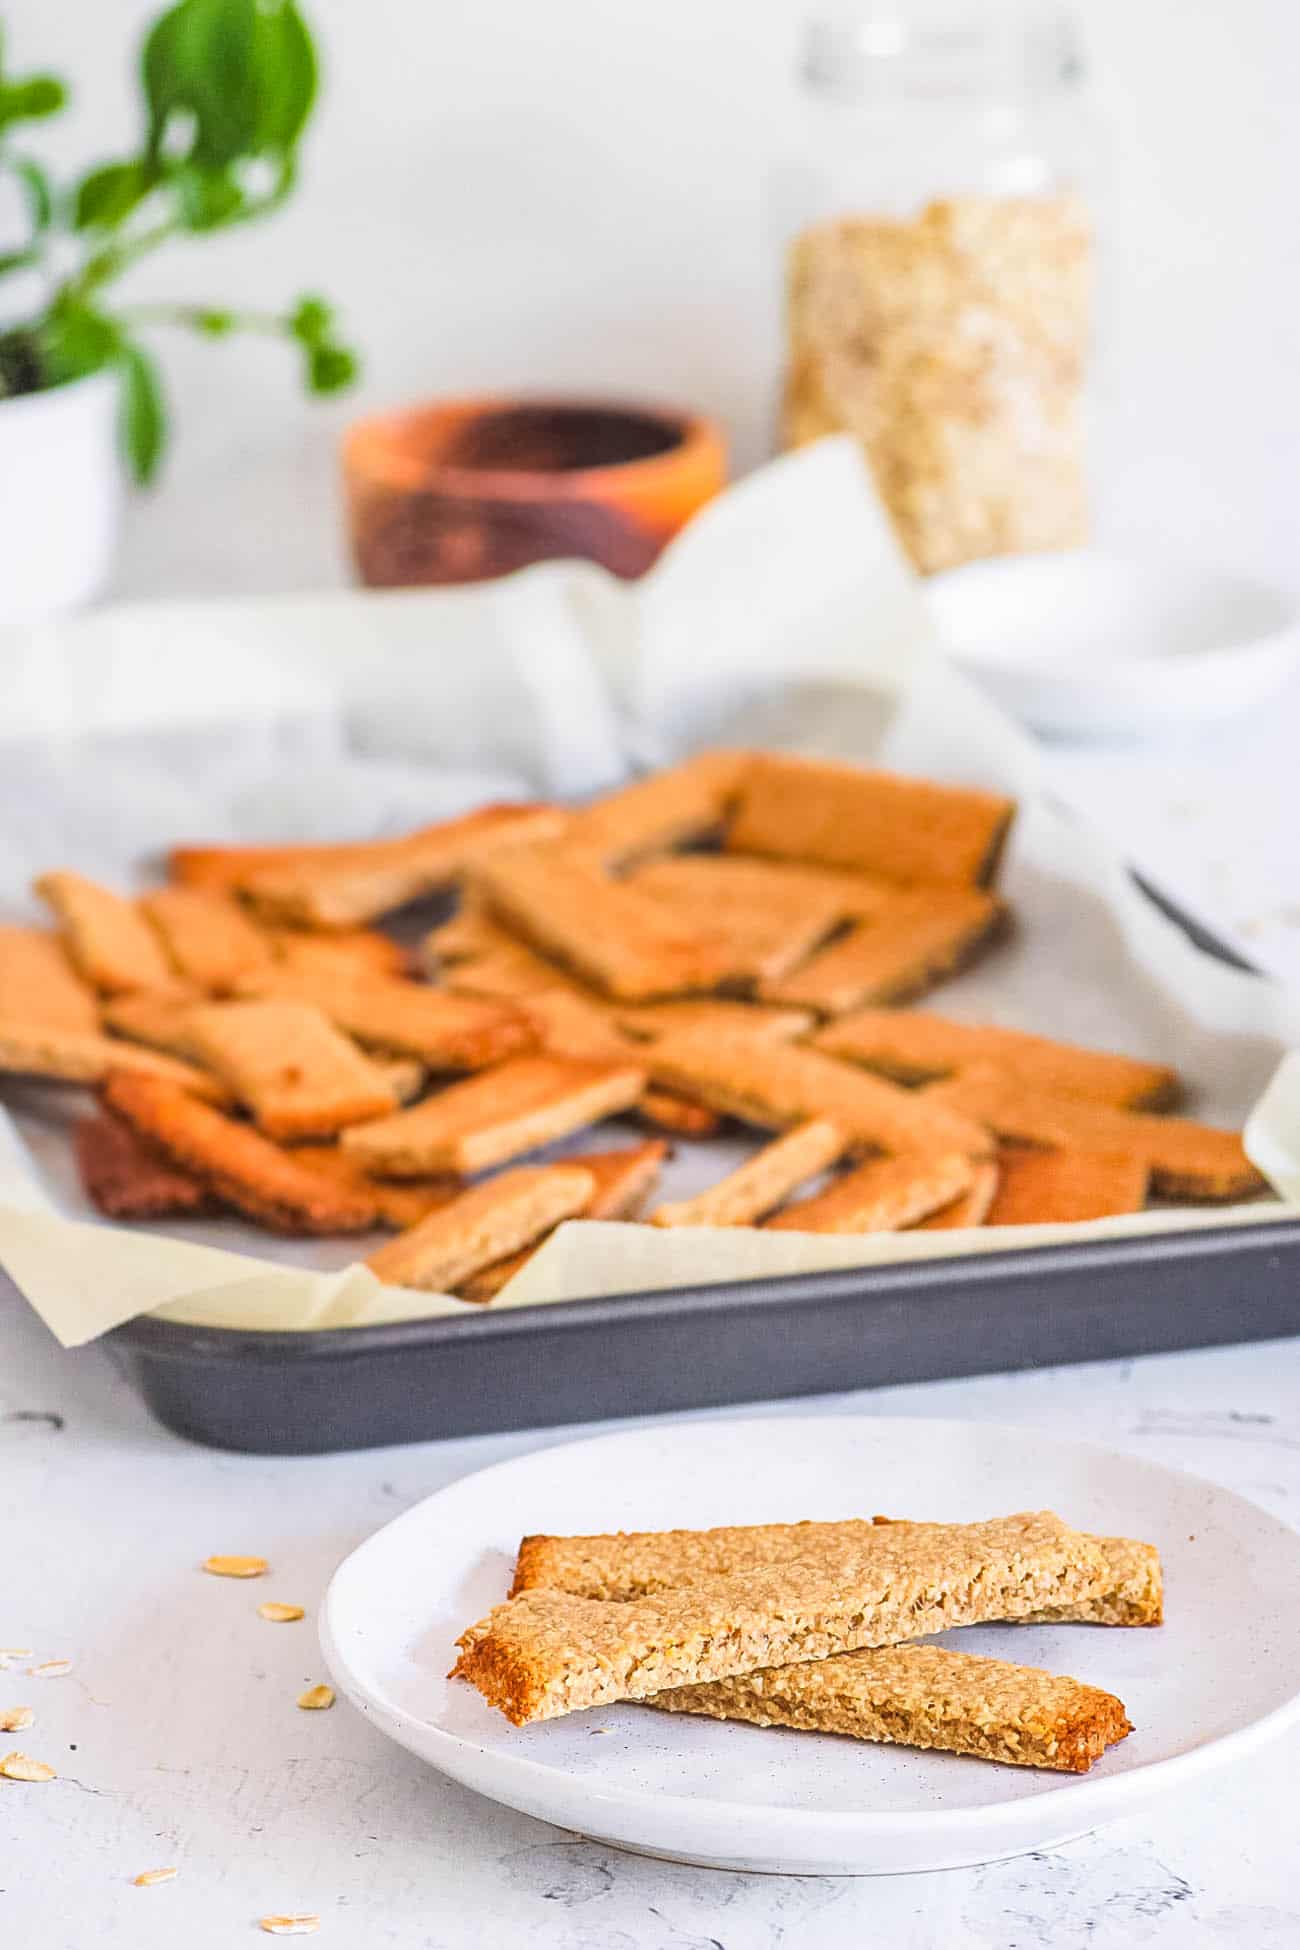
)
(61, 492)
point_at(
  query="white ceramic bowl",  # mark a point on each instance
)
(1092, 643)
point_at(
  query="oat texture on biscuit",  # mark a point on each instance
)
(881, 1196)
(296, 1073)
(923, 1696)
(80, 1056)
(483, 1224)
(208, 938)
(236, 1163)
(763, 1182)
(107, 937)
(403, 1018)
(494, 1116)
(38, 984)
(912, 1046)
(126, 1179)
(546, 1653)
(835, 815)
(1130, 1593)
(1064, 1187)
(920, 938)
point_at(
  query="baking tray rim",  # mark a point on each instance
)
(163, 1339)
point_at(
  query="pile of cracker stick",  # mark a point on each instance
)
(817, 1626)
(726, 942)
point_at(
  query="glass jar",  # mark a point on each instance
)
(938, 266)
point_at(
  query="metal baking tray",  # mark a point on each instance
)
(740, 1340)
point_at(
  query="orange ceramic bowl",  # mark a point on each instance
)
(464, 489)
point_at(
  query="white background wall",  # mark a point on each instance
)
(570, 193)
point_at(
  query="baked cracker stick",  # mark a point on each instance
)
(632, 1564)
(495, 1116)
(349, 951)
(241, 1167)
(621, 941)
(762, 1183)
(882, 1196)
(923, 1696)
(226, 868)
(107, 937)
(770, 928)
(483, 1287)
(70, 1056)
(207, 936)
(298, 1076)
(483, 1224)
(970, 1208)
(919, 939)
(546, 1653)
(1186, 1160)
(397, 1205)
(623, 1180)
(397, 871)
(685, 803)
(128, 1180)
(403, 1018)
(873, 822)
(566, 1024)
(158, 1017)
(647, 1020)
(404, 1075)
(1044, 1187)
(679, 1115)
(912, 1047)
(39, 985)
(778, 1084)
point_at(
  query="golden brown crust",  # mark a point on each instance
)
(911, 1046)
(106, 936)
(762, 1183)
(70, 1056)
(646, 1021)
(1132, 1593)
(404, 1018)
(545, 1652)
(668, 1111)
(38, 984)
(917, 940)
(881, 1196)
(158, 1017)
(770, 926)
(565, 1023)
(346, 952)
(297, 1075)
(1191, 1161)
(971, 1208)
(128, 1180)
(229, 867)
(687, 802)
(923, 1696)
(482, 1225)
(483, 1287)
(623, 1179)
(778, 1084)
(241, 1167)
(495, 1116)
(208, 938)
(904, 829)
(1064, 1187)
(396, 1204)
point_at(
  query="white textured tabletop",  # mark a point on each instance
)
(177, 1741)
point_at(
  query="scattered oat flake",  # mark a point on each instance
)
(21, 1767)
(236, 1567)
(148, 1877)
(50, 1669)
(14, 1719)
(316, 1699)
(290, 1925)
(280, 1614)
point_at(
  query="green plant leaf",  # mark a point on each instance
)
(76, 339)
(107, 196)
(285, 76)
(31, 100)
(38, 191)
(143, 413)
(17, 260)
(311, 319)
(198, 61)
(330, 368)
(207, 197)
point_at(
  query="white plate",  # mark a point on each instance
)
(1220, 1676)
(1093, 643)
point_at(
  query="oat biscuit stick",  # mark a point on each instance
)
(494, 1116)
(923, 1696)
(128, 1180)
(567, 1024)
(838, 815)
(397, 871)
(207, 936)
(882, 1196)
(158, 1017)
(1063, 1187)
(603, 930)
(403, 1018)
(39, 985)
(297, 1075)
(763, 1182)
(545, 1652)
(910, 1046)
(483, 1224)
(668, 809)
(647, 1020)
(771, 927)
(226, 868)
(348, 951)
(69, 1056)
(623, 1564)
(1186, 1160)
(971, 1208)
(622, 1181)
(483, 1287)
(397, 1204)
(240, 1166)
(775, 1085)
(680, 1116)
(107, 937)
(918, 940)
